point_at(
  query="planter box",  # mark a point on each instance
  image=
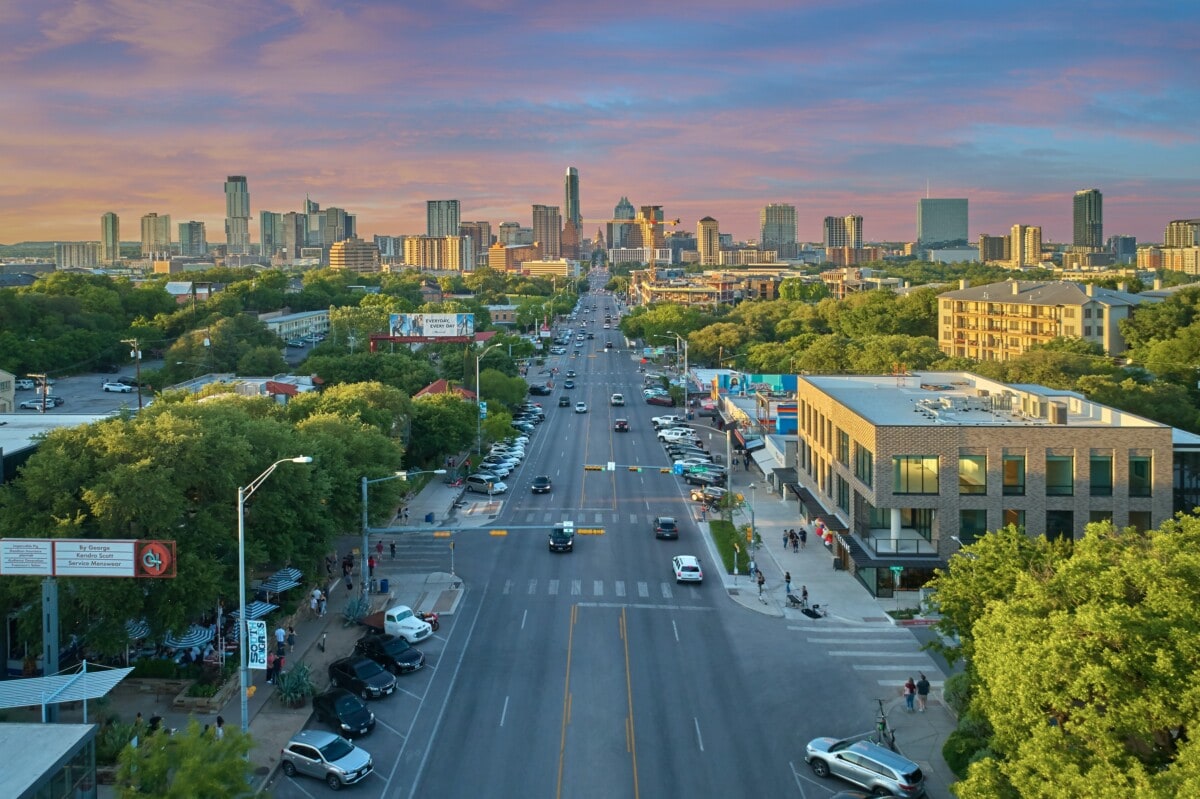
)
(205, 704)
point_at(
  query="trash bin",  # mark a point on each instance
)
(383, 585)
(429, 518)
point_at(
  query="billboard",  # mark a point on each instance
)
(87, 557)
(431, 325)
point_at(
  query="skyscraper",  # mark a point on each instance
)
(441, 217)
(192, 240)
(619, 235)
(1182, 233)
(708, 241)
(237, 215)
(941, 222)
(110, 238)
(1089, 219)
(156, 234)
(571, 185)
(844, 231)
(547, 229)
(778, 229)
(270, 232)
(1025, 245)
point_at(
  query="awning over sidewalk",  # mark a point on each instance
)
(814, 510)
(863, 558)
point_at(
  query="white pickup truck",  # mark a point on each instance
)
(399, 620)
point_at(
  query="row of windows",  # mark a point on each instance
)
(972, 523)
(918, 474)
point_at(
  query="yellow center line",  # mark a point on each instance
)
(629, 693)
(562, 744)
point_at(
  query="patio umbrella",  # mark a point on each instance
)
(137, 629)
(195, 636)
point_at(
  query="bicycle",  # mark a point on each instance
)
(884, 734)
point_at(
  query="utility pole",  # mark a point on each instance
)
(43, 386)
(136, 354)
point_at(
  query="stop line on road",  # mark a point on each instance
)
(890, 652)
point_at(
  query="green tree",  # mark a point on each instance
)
(262, 361)
(441, 424)
(498, 388)
(400, 369)
(187, 764)
(798, 290)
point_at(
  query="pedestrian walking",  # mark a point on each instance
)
(910, 693)
(371, 566)
(324, 599)
(219, 732)
(922, 693)
(787, 582)
(762, 583)
(271, 658)
(392, 547)
(314, 601)
(329, 566)
(803, 537)
(291, 639)
(349, 583)
(804, 595)
(785, 540)
(404, 513)
(280, 639)
(795, 541)
(379, 548)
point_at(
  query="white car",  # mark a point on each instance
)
(678, 434)
(486, 483)
(617, 399)
(667, 421)
(120, 388)
(687, 569)
(688, 463)
(581, 407)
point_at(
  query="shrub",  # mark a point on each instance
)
(960, 750)
(295, 685)
(957, 691)
(111, 739)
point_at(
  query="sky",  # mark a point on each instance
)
(707, 108)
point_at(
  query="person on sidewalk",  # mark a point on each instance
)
(910, 693)
(280, 639)
(787, 583)
(322, 603)
(271, 668)
(314, 602)
(804, 596)
(291, 639)
(392, 547)
(785, 540)
(379, 549)
(371, 566)
(219, 731)
(803, 537)
(762, 583)
(922, 693)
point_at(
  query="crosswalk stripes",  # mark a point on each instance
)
(577, 588)
(643, 590)
(598, 587)
(619, 588)
(888, 655)
(553, 587)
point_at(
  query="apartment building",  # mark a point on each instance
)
(904, 470)
(355, 255)
(1000, 321)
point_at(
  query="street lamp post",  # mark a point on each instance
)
(753, 531)
(243, 620)
(478, 415)
(681, 341)
(366, 522)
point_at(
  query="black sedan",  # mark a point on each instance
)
(363, 676)
(344, 712)
(392, 652)
(541, 484)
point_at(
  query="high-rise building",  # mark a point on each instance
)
(1182, 233)
(192, 240)
(354, 255)
(547, 230)
(571, 187)
(480, 234)
(441, 217)
(648, 229)
(1025, 245)
(77, 255)
(777, 223)
(314, 224)
(844, 231)
(994, 248)
(295, 233)
(237, 215)
(619, 235)
(708, 241)
(156, 234)
(941, 222)
(448, 253)
(339, 225)
(1089, 219)
(270, 231)
(110, 238)
(1123, 248)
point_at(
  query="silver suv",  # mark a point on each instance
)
(326, 756)
(867, 765)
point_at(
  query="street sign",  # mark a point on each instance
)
(677, 468)
(256, 644)
(612, 466)
(482, 410)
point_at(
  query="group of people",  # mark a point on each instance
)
(795, 539)
(918, 691)
(317, 601)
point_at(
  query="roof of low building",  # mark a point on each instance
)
(1041, 292)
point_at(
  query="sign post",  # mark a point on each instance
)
(256, 644)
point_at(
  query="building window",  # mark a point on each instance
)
(1140, 519)
(843, 493)
(1014, 475)
(864, 464)
(1014, 518)
(1140, 482)
(843, 447)
(972, 474)
(971, 525)
(1060, 475)
(914, 474)
(1099, 516)
(1060, 524)
(1087, 330)
(1102, 475)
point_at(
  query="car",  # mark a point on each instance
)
(36, 404)
(541, 484)
(621, 426)
(608, 345)
(391, 651)
(362, 676)
(516, 451)
(664, 400)
(120, 388)
(484, 483)
(343, 711)
(297, 343)
(687, 569)
(581, 407)
(616, 399)
(564, 402)
(688, 463)
(539, 390)
(705, 479)
(326, 756)
(529, 418)
(591, 336)
(562, 537)
(677, 435)
(607, 325)
(498, 468)
(568, 384)
(570, 373)
(666, 527)
(558, 351)
(708, 494)
(667, 421)
(867, 765)
(23, 384)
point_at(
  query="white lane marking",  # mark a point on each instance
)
(598, 587)
(504, 712)
(643, 606)
(676, 629)
(523, 617)
(553, 587)
(532, 586)
(846, 653)
(643, 590)
(699, 737)
(620, 588)
(507, 586)
(576, 587)
(666, 590)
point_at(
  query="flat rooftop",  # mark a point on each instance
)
(40, 748)
(20, 430)
(937, 399)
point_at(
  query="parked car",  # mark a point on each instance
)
(541, 484)
(36, 404)
(708, 494)
(325, 756)
(343, 711)
(485, 484)
(664, 400)
(867, 765)
(667, 421)
(687, 569)
(666, 527)
(120, 388)
(23, 384)
(539, 390)
(704, 479)
(392, 652)
(362, 676)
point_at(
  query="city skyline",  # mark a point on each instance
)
(834, 108)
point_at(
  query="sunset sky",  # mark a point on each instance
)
(704, 107)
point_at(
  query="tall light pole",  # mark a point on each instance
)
(478, 414)
(243, 620)
(753, 532)
(366, 523)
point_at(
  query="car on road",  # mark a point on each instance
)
(687, 464)
(23, 384)
(568, 384)
(325, 756)
(524, 427)
(120, 388)
(363, 676)
(392, 652)
(621, 426)
(564, 402)
(581, 407)
(483, 483)
(666, 527)
(539, 390)
(867, 765)
(687, 569)
(708, 494)
(36, 404)
(297, 343)
(541, 484)
(608, 344)
(343, 711)
(616, 399)
(570, 373)
(591, 335)
(704, 478)
(558, 350)
(562, 537)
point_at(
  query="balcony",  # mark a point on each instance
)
(879, 542)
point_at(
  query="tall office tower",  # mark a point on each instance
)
(192, 240)
(648, 228)
(941, 222)
(480, 234)
(708, 241)
(994, 248)
(1123, 248)
(237, 215)
(547, 230)
(295, 232)
(110, 238)
(314, 224)
(777, 223)
(509, 233)
(156, 234)
(844, 231)
(571, 186)
(1182, 233)
(270, 232)
(337, 224)
(441, 217)
(1089, 219)
(1025, 245)
(619, 235)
